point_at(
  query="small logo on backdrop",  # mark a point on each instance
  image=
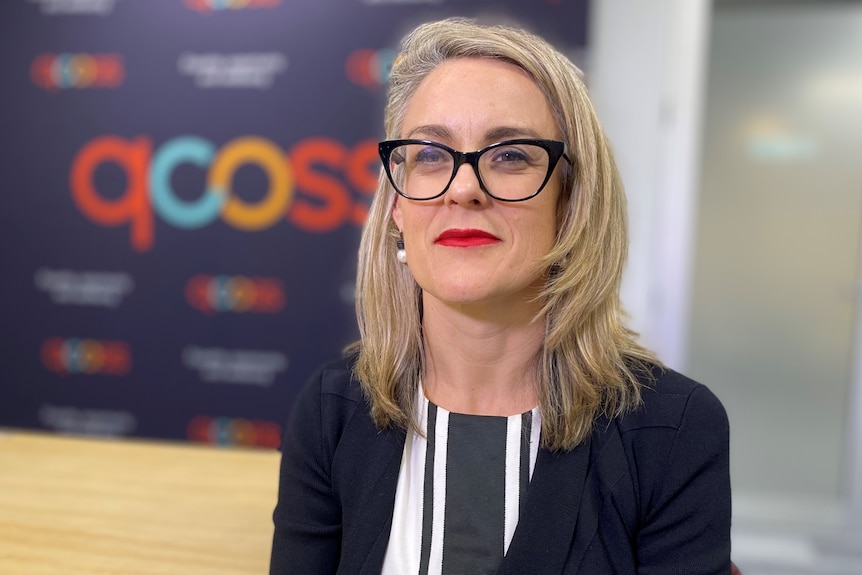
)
(75, 7)
(244, 367)
(387, 2)
(207, 6)
(369, 68)
(75, 420)
(89, 356)
(60, 71)
(228, 431)
(67, 287)
(211, 294)
(241, 70)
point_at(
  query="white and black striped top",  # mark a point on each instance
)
(459, 492)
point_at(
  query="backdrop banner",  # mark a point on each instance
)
(185, 183)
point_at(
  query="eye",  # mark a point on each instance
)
(428, 155)
(510, 155)
(514, 157)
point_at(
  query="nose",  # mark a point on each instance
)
(465, 188)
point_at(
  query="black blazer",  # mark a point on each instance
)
(648, 493)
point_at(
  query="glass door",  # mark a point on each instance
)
(775, 326)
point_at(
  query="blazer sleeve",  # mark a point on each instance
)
(307, 517)
(686, 523)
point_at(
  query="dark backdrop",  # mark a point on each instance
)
(184, 183)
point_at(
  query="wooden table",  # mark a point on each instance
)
(94, 506)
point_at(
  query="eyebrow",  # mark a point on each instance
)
(494, 135)
(507, 132)
(430, 131)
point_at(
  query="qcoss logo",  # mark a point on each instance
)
(318, 185)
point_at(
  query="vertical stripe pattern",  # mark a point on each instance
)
(524, 463)
(513, 484)
(438, 505)
(427, 498)
(466, 479)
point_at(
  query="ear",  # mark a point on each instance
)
(396, 213)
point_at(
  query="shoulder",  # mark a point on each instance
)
(325, 404)
(675, 446)
(336, 378)
(332, 380)
(678, 422)
(676, 450)
(679, 431)
(670, 400)
(660, 479)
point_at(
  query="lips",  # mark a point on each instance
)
(466, 238)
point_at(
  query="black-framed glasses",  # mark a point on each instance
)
(509, 171)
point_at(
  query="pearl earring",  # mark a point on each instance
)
(401, 254)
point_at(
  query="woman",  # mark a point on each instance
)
(497, 416)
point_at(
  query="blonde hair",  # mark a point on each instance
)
(590, 362)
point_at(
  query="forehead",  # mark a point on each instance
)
(470, 97)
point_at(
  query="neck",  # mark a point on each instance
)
(481, 359)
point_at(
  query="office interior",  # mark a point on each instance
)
(737, 127)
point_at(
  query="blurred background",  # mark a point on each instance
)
(185, 183)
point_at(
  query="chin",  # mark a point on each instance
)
(475, 295)
(459, 294)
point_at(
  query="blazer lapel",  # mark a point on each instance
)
(370, 466)
(380, 504)
(546, 528)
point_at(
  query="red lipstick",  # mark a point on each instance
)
(465, 238)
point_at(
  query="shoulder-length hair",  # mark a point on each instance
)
(590, 362)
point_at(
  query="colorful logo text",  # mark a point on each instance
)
(303, 187)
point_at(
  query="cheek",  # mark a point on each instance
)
(542, 224)
(542, 239)
(541, 234)
(411, 219)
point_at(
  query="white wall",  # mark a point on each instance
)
(646, 76)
